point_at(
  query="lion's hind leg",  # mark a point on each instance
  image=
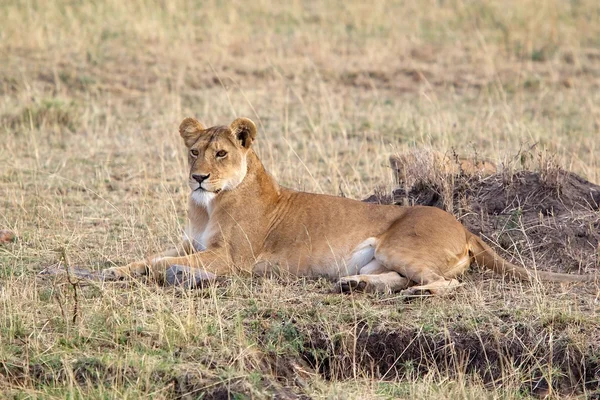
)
(388, 282)
(428, 247)
(440, 285)
(435, 288)
(420, 271)
(373, 277)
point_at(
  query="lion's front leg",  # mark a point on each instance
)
(191, 271)
(140, 268)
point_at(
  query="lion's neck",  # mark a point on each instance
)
(257, 183)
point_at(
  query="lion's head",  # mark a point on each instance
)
(216, 156)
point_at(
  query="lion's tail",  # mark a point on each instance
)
(486, 257)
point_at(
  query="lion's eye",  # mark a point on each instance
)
(194, 153)
(221, 153)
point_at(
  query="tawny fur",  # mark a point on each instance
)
(241, 220)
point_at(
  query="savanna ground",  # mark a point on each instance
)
(91, 166)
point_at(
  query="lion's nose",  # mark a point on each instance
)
(200, 178)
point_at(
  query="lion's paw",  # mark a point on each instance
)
(187, 277)
(113, 274)
(416, 291)
(350, 284)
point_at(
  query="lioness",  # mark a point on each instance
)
(240, 219)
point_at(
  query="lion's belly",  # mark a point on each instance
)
(326, 261)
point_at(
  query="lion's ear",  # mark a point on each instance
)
(190, 129)
(244, 130)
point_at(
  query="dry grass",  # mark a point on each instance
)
(91, 94)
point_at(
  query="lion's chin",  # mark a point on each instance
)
(204, 198)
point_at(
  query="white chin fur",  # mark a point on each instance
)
(203, 198)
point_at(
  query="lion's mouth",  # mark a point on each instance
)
(201, 189)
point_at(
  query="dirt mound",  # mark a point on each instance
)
(548, 220)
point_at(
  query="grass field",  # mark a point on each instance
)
(91, 166)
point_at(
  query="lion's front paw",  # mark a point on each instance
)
(113, 274)
(187, 277)
(133, 270)
(350, 284)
